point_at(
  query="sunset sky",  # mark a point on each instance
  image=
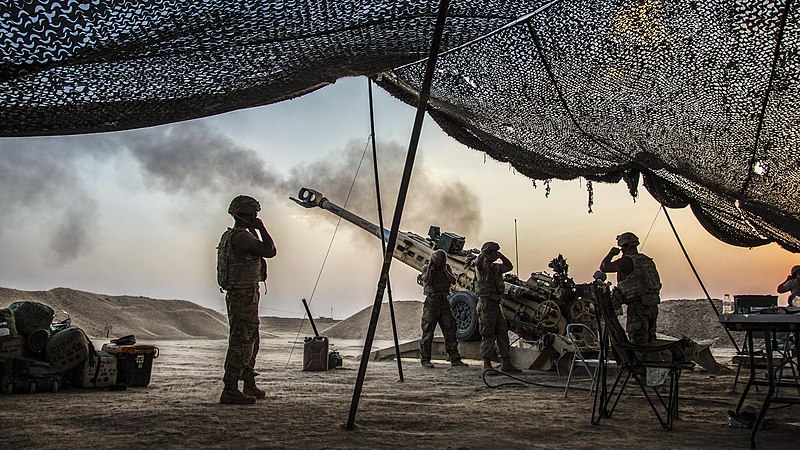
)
(141, 212)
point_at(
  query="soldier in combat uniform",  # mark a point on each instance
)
(240, 267)
(437, 277)
(638, 286)
(791, 285)
(493, 326)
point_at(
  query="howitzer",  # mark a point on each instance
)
(537, 309)
(533, 307)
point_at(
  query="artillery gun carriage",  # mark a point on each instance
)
(537, 309)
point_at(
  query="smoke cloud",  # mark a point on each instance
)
(450, 204)
(40, 188)
(190, 158)
(41, 181)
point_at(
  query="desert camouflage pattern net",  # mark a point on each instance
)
(698, 100)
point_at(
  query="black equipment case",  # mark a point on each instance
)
(134, 362)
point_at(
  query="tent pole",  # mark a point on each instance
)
(380, 223)
(398, 210)
(674, 231)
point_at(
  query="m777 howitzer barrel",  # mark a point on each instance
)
(411, 249)
(415, 251)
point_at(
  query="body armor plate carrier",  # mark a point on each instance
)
(643, 282)
(236, 269)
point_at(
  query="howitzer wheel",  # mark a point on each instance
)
(548, 313)
(464, 305)
(582, 311)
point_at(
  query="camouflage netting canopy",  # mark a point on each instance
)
(701, 99)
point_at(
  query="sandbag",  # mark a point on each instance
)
(8, 327)
(31, 316)
(67, 348)
(14, 348)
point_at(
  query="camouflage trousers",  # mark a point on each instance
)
(641, 323)
(243, 340)
(493, 328)
(436, 310)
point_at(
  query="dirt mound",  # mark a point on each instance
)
(407, 316)
(146, 318)
(694, 319)
(298, 327)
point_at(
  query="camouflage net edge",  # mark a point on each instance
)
(700, 98)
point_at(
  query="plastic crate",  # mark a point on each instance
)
(134, 362)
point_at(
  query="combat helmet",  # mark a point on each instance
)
(627, 238)
(490, 245)
(243, 204)
(440, 256)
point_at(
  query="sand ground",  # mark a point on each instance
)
(442, 407)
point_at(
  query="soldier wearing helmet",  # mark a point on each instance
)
(791, 285)
(491, 287)
(638, 286)
(436, 278)
(240, 267)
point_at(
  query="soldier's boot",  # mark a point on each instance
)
(507, 367)
(487, 364)
(427, 364)
(231, 395)
(458, 363)
(251, 389)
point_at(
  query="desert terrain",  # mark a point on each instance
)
(442, 407)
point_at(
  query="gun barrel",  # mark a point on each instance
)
(411, 249)
(309, 198)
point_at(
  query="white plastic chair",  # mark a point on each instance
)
(590, 364)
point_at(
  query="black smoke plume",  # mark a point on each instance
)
(41, 180)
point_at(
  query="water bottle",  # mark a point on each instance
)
(727, 304)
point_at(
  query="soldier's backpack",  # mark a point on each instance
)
(222, 259)
(68, 348)
(31, 316)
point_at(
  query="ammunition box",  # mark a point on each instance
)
(99, 371)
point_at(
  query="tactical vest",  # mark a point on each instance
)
(438, 284)
(644, 282)
(237, 269)
(492, 285)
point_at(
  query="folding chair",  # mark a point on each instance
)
(584, 342)
(635, 361)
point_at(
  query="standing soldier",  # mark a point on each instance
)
(493, 326)
(638, 286)
(437, 277)
(791, 285)
(240, 267)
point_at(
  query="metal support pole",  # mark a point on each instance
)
(516, 248)
(398, 210)
(310, 318)
(675, 232)
(380, 223)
